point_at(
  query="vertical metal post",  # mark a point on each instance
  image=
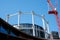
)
(43, 24)
(43, 21)
(48, 27)
(19, 18)
(33, 23)
(7, 18)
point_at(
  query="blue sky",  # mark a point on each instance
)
(38, 6)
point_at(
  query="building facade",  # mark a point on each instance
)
(55, 35)
(27, 28)
(8, 32)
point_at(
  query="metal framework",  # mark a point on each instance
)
(32, 13)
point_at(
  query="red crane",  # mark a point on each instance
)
(55, 12)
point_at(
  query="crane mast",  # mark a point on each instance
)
(55, 12)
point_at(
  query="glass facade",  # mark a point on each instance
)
(27, 28)
(5, 31)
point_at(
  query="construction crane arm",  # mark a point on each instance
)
(49, 2)
(55, 12)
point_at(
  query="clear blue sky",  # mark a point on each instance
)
(38, 6)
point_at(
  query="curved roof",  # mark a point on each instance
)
(31, 25)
